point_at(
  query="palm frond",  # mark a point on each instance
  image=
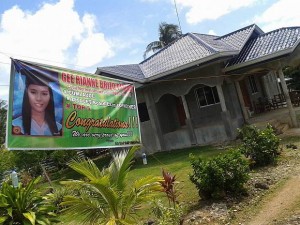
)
(86, 167)
(153, 46)
(142, 190)
(120, 166)
(85, 209)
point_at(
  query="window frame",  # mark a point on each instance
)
(253, 84)
(213, 91)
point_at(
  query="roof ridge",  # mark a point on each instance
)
(244, 28)
(200, 41)
(205, 34)
(282, 28)
(131, 64)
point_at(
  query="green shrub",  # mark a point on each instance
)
(167, 215)
(25, 205)
(260, 146)
(221, 175)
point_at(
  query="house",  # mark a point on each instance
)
(199, 89)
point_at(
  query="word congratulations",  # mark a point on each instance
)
(74, 121)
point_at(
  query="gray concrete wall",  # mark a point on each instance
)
(149, 142)
(213, 133)
(177, 139)
(254, 96)
(205, 115)
(208, 124)
(270, 85)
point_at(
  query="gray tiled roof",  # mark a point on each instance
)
(245, 44)
(238, 38)
(214, 42)
(131, 71)
(185, 50)
(267, 44)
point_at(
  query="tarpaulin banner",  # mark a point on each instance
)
(57, 108)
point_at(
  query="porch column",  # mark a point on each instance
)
(225, 114)
(241, 99)
(154, 119)
(288, 99)
(189, 121)
(221, 97)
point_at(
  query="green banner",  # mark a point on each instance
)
(56, 108)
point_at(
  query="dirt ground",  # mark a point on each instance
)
(279, 204)
(282, 207)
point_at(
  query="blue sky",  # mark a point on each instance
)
(85, 34)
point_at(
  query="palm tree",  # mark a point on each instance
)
(167, 34)
(106, 197)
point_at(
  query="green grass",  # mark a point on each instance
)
(176, 162)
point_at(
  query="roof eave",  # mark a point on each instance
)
(100, 71)
(258, 60)
(194, 63)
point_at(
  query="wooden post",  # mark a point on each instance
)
(46, 175)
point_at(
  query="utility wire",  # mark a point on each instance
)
(177, 15)
(9, 55)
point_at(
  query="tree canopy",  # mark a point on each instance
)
(3, 113)
(167, 34)
(294, 74)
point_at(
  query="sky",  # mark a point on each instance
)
(86, 34)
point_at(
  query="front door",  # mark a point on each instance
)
(245, 94)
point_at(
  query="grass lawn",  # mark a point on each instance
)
(176, 162)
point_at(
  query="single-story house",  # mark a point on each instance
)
(200, 88)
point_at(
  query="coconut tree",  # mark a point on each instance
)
(167, 34)
(106, 197)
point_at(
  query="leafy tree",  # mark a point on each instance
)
(167, 34)
(7, 160)
(24, 205)
(30, 161)
(3, 112)
(294, 74)
(106, 197)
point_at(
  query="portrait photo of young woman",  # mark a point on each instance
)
(36, 115)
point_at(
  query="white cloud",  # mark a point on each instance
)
(211, 32)
(55, 32)
(283, 13)
(198, 11)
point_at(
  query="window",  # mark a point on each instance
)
(253, 84)
(207, 96)
(143, 112)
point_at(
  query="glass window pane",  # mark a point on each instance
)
(216, 94)
(209, 95)
(201, 97)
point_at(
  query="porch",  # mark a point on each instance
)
(278, 118)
